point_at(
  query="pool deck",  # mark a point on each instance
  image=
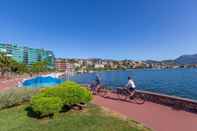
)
(6, 84)
(154, 116)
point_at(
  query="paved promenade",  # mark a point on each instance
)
(155, 116)
(8, 84)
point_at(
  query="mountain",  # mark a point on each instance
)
(169, 62)
(187, 59)
(152, 62)
(184, 59)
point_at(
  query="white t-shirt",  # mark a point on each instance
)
(131, 84)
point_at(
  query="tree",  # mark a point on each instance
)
(5, 63)
(17, 67)
(40, 66)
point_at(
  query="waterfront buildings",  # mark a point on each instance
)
(60, 64)
(31, 55)
(99, 66)
(28, 55)
(63, 65)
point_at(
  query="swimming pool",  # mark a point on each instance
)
(41, 81)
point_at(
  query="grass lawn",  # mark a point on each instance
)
(90, 119)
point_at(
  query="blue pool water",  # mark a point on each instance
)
(177, 82)
(38, 82)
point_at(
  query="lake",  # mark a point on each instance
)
(176, 82)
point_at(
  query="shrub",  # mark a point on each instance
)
(53, 99)
(75, 93)
(70, 84)
(15, 97)
(70, 93)
(45, 106)
(87, 95)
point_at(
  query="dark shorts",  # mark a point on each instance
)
(131, 89)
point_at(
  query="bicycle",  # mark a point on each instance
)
(122, 94)
(102, 91)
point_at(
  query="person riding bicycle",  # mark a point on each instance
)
(96, 84)
(130, 86)
(98, 80)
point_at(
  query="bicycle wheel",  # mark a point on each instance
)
(121, 94)
(102, 92)
(139, 99)
(122, 97)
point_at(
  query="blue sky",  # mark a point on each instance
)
(117, 29)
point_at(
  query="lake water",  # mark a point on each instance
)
(176, 82)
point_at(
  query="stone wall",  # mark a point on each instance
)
(172, 101)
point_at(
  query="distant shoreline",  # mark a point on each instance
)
(95, 71)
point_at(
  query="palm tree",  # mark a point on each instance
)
(18, 68)
(40, 66)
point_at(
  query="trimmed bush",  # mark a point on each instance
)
(86, 95)
(53, 99)
(45, 106)
(75, 94)
(70, 93)
(70, 84)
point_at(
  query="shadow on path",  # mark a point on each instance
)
(122, 100)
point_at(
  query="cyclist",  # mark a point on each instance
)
(130, 86)
(96, 84)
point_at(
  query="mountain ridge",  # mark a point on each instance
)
(187, 59)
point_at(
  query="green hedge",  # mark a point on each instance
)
(69, 93)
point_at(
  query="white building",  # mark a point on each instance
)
(99, 66)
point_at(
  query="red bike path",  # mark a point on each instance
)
(155, 116)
